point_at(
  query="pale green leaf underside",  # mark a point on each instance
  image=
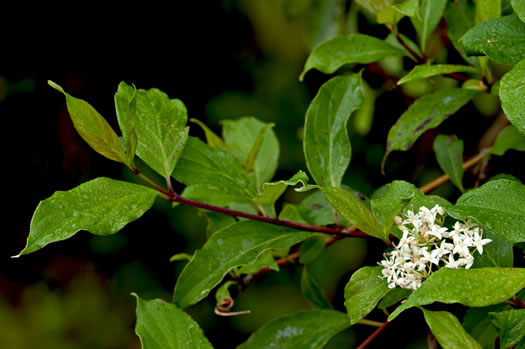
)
(427, 112)
(326, 145)
(430, 12)
(449, 154)
(310, 329)
(509, 138)
(354, 48)
(235, 245)
(448, 330)
(519, 8)
(497, 206)
(213, 168)
(510, 325)
(512, 94)
(425, 71)
(471, 287)
(101, 206)
(502, 39)
(364, 290)
(161, 325)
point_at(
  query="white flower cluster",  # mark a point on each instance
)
(426, 246)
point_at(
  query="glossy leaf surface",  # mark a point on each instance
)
(510, 325)
(448, 330)
(425, 71)
(509, 138)
(449, 154)
(430, 12)
(512, 94)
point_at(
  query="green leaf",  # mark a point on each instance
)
(512, 93)
(392, 13)
(291, 213)
(160, 125)
(93, 128)
(212, 139)
(233, 246)
(215, 169)
(502, 39)
(510, 325)
(477, 322)
(102, 206)
(272, 191)
(423, 71)
(125, 106)
(430, 12)
(180, 257)
(395, 197)
(449, 154)
(313, 292)
(224, 292)
(161, 325)
(497, 206)
(242, 135)
(326, 145)
(448, 330)
(354, 211)
(391, 39)
(395, 296)
(310, 329)
(316, 210)
(471, 287)
(519, 8)
(487, 9)
(354, 48)
(459, 16)
(217, 221)
(498, 253)
(364, 290)
(508, 138)
(425, 113)
(311, 249)
(324, 21)
(265, 260)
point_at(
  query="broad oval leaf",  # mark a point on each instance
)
(423, 71)
(160, 126)
(477, 323)
(395, 197)
(102, 206)
(310, 329)
(497, 206)
(471, 287)
(499, 253)
(427, 19)
(510, 325)
(502, 39)
(235, 245)
(213, 168)
(354, 48)
(354, 211)
(449, 154)
(448, 330)
(93, 128)
(326, 145)
(512, 94)
(364, 290)
(427, 112)
(508, 138)
(519, 8)
(161, 325)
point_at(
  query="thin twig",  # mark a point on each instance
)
(373, 336)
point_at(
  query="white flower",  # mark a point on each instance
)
(478, 242)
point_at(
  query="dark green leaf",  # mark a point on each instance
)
(313, 292)
(93, 128)
(395, 296)
(215, 169)
(223, 292)
(353, 211)
(311, 249)
(160, 126)
(498, 253)
(326, 145)
(392, 13)
(364, 290)
(102, 206)
(233, 246)
(497, 206)
(471, 287)
(217, 221)
(212, 139)
(519, 8)
(425, 70)
(510, 325)
(502, 39)
(291, 213)
(460, 18)
(241, 136)
(449, 154)
(512, 94)
(508, 138)
(324, 21)
(477, 322)
(430, 12)
(310, 329)
(448, 330)
(427, 112)
(161, 325)
(396, 196)
(391, 39)
(354, 48)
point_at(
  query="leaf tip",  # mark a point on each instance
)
(56, 86)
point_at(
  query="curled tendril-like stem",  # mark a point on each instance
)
(224, 308)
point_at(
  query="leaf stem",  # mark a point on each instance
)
(370, 323)
(373, 336)
(466, 165)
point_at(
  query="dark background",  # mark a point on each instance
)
(223, 59)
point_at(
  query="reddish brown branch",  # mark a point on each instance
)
(373, 336)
